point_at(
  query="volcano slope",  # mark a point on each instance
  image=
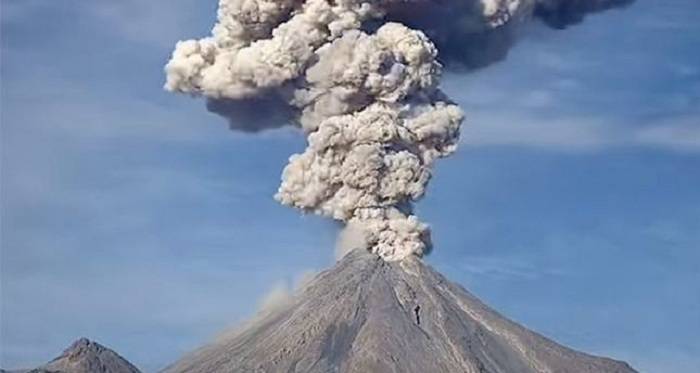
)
(369, 315)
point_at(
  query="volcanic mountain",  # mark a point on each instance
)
(85, 356)
(370, 315)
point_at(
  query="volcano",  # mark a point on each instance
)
(370, 315)
(86, 356)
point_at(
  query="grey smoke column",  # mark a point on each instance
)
(361, 81)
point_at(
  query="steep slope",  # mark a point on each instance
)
(369, 315)
(85, 356)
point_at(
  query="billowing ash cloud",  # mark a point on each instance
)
(471, 34)
(360, 77)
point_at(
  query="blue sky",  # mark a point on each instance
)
(136, 218)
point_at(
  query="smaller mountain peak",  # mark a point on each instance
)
(87, 356)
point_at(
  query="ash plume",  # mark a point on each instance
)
(360, 78)
(559, 14)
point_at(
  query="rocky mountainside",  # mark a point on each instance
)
(85, 356)
(369, 315)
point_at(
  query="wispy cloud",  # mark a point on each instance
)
(680, 133)
(563, 134)
(575, 134)
(506, 268)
